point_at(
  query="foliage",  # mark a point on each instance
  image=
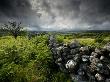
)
(60, 38)
(99, 38)
(24, 60)
(88, 39)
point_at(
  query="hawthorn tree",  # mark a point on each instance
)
(13, 28)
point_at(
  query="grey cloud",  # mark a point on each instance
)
(17, 10)
(89, 12)
(55, 14)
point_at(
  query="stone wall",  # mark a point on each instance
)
(83, 63)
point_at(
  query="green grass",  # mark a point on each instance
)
(85, 40)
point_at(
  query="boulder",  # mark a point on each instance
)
(82, 76)
(98, 51)
(74, 44)
(102, 58)
(95, 54)
(74, 51)
(71, 65)
(84, 49)
(107, 47)
(85, 58)
(99, 77)
(77, 58)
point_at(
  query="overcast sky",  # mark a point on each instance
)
(58, 14)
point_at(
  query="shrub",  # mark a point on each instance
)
(24, 60)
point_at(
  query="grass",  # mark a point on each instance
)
(85, 40)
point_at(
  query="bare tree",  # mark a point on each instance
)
(13, 28)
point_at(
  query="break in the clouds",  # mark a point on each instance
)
(58, 14)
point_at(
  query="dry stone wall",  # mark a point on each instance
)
(83, 63)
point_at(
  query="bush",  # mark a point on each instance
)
(23, 60)
(99, 39)
(60, 38)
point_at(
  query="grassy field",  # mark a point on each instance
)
(87, 39)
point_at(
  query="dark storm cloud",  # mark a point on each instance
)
(17, 10)
(14, 8)
(77, 14)
(95, 10)
(96, 13)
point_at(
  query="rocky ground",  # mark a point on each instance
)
(83, 63)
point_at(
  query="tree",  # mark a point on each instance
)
(13, 28)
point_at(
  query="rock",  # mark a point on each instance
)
(95, 54)
(82, 76)
(85, 58)
(62, 68)
(109, 54)
(103, 69)
(108, 66)
(59, 50)
(59, 60)
(98, 51)
(81, 72)
(70, 65)
(102, 58)
(59, 64)
(85, 67)
(107, 46)
(77, 58)
(70, 56)
(74, 51)
(66, 50)
(99, 67)
(61, 44)
(92, 79)
(91, 58)
(64, 54)
(84, 49)
(55, 45)
(107, 80)
(74, 44)
(93, 65)
(99, 77)
(54, 51)
(65, 45)
(74, 77)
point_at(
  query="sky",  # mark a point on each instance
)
(57, 15)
